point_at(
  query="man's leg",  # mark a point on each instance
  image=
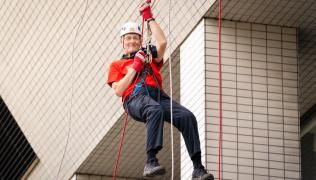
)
(185, 121)
(143, 108)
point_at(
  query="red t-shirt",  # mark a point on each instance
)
(118, 70)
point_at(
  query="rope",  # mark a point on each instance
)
(126, 116)
(122, 138)
(220, 89)
(143, 22)
(171, 91)
(121, 145)
(71, 89)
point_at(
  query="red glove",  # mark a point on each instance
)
(145, 11)
(139, 61)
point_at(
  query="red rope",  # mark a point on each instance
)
(125, 122)
(120, 149)
(220, 89)
(141, 40)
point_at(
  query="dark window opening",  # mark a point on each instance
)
(16, 154)
(308, 144)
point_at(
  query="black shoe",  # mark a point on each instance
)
(153, 169)
(201, 174)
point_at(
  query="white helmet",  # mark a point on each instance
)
(130, 27)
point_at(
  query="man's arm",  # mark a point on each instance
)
(160, 38)
(120, 86)
(159, 35)
(138, 64)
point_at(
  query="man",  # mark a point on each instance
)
(140, 87)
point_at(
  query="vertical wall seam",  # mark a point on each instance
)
(205, 93)
(268, 127)
(236, 99)
(282, 84)
(298, 99)
(251, 77)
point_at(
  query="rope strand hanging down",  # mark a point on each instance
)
(171, 90)
(220, 90)
(126, 113)
(71, 89)
(120, 148)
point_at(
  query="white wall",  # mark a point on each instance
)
(192, 89)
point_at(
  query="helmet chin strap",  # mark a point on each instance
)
(123, 42)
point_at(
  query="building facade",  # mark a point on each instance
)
(54, 63)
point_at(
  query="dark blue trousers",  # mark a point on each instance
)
(149, 110)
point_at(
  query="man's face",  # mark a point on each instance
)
(131, 43)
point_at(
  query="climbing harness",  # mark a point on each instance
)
(142, 82)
